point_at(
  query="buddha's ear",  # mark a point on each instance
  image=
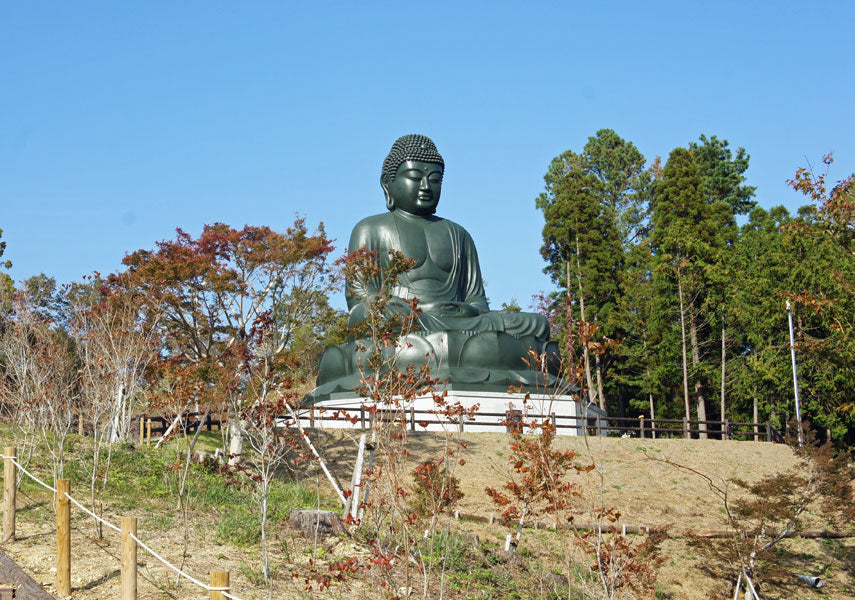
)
(384, 183)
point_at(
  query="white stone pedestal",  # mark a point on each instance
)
(568, 414)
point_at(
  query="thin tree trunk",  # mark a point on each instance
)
(756, 418)
(235, 440)
(592, 394)
(652, 412)
(683, 341)
(652, 418)
(600, 382)
(723, 365)
(115, 432)
(305, 437)
(699, 386)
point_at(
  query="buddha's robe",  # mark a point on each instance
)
(446, 277)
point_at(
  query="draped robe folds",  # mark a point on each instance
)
(446, 278)
(463, 341)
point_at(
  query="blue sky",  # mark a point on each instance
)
(120, 122)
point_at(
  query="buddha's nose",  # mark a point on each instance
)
(424, 185)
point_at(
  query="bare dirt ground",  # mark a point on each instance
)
(646, 492)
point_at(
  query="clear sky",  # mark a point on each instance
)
(121, 121)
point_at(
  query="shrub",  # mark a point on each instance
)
(435, 488)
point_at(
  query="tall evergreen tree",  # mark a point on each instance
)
(580, 246)
(619, 166)
(723, 174)
(687, 236)
(593, 207)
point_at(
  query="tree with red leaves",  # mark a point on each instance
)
(214, 289)
(825, 306)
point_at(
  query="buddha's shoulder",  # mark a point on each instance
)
(372, 231)
(374, 221)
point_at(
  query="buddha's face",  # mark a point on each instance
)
(416, 187)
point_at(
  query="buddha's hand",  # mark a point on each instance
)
(450, 309)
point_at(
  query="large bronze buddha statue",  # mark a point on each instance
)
(467, 344)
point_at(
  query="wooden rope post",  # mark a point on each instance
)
(641, 426)
(9, 490)
(554, 421)
(129, 559)
(725, 434)
(63, 538)
(219, 579)
(412, 418)
(148, 431)
(686, 433)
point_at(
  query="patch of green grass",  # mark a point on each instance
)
(239, 526)
(255, 575)
(662, 593)
(446, 548)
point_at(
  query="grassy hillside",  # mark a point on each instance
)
(223, 527)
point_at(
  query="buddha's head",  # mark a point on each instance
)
(412, 175)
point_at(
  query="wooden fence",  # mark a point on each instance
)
(641, 427)
(219, 587)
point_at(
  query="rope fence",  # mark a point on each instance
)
(219, 587)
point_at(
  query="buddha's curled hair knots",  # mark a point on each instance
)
(410, 147)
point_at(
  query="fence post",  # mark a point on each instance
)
(641, 426)
(686, 433)
(129, 559)
(554, 422)
(460, 423)
(9, 490)
(412, 418)
(768, 431)
(219, 579)
(312, 416)
(725, 432)
(361, 417)
(148, 431)
(142, 429)
(63, 538)
(599, 427)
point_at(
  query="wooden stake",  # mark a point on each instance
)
(148, 431)
(142, 429)
(63, 538)
(129, 559)
(9, 490)
(219, 579)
